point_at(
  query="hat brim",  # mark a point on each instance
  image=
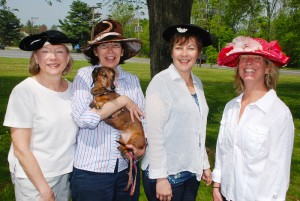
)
(232, 60)
(131, 46)
(188, 29)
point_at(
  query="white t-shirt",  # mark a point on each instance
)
(48, 113)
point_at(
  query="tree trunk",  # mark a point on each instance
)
(162, 14)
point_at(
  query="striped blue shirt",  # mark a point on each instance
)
(96, 148)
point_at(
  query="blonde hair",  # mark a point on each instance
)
(271, 79)
(34, 68)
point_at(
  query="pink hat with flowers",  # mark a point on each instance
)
(229, 55)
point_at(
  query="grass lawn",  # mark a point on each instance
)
(218, 90)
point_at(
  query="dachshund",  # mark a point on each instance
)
(131, 132)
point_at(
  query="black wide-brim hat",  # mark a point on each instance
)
(36, 41)
(188, 29)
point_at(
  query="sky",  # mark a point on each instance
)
(44, 13)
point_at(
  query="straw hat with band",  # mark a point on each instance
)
(229, 55)
(108, 31)
(37, 41)
(203, 35)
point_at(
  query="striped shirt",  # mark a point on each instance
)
(96, 149)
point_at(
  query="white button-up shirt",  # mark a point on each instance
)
(253, 155)
(176, 126)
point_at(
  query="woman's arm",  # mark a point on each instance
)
(21, 143)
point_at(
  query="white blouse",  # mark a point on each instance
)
(253, 156)
(176, 126)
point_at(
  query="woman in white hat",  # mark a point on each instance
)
(255, 142)
(39, 116)
(176, 108)
(100, 172)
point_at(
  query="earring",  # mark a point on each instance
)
(37, 66)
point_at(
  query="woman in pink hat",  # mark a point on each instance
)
(100, 172)
(255, 142)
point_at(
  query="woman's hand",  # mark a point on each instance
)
(137, 152)
(112, 106)
(163, 189)
(48, 195)
(206, 176)
(133, 108)
(217, 192)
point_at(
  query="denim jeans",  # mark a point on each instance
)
(93, 186)
(184, 191)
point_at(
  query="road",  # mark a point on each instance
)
(16, 53)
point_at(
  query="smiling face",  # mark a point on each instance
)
(184, 55)
(252, 70)
(52, 59)
(109, 54)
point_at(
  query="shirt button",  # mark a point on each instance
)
(275, 197)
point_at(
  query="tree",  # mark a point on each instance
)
(77, 23)
(162, 14)
(9, 27)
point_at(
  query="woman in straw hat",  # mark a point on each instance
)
(176, 158)
(39, 116)
(100, 172)
(255, 142)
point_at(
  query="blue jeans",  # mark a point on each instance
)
(184, 191)
(93, 186)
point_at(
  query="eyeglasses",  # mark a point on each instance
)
(105, 46)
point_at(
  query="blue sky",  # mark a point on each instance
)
(46, 14)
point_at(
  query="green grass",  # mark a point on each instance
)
(218, 90)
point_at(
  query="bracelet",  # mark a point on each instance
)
(216, 187)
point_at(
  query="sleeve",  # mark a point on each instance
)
(275, 182)
(157, 112)
(80, 101)
(20, 108)
(217, 173)
(139, 99)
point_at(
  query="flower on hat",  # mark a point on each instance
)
(229, 55)
(244, 44)
(181, 30)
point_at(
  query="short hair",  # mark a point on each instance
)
(34, 68)
(183, 39)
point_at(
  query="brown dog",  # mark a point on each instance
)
(131, 132)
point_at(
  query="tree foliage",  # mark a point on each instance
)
(77, 23)
(9, 27)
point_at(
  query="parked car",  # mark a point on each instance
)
(2, 47)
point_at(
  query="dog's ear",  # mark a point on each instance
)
(94, 74)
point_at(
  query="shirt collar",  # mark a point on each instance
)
(264, 102)
(175, 74)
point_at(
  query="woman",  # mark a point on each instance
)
(100, 172)
(255, 142)
(176, 109)
(39, 116)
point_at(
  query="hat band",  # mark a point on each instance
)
(99, 38)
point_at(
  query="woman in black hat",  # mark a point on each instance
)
(100, 172)
(39, 116)
(176, 158)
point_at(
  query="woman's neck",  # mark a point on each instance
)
(53, 83)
